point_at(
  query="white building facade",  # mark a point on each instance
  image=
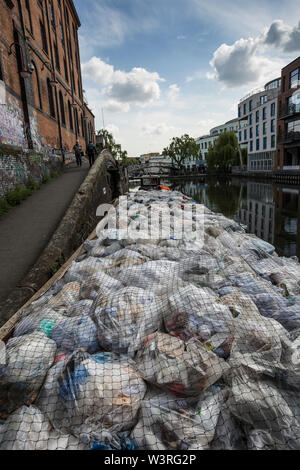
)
(257, 114)
(208, 141)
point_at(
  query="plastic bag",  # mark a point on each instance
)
(28, 359)
(100, 392)
(76, 332)
(194, 313)
(123, 320)
(28, 429)
(184, 369)
(169, 424)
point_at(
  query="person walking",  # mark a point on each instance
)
(91, 151)
(78, 153)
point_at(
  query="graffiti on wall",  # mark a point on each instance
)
(17, 169)
(11, 124)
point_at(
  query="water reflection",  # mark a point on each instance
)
(271, 211)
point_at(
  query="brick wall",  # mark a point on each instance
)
(52, 58)
(286, 92)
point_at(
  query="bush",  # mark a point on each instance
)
(4, 206)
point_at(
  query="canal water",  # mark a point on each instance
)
(269, 210)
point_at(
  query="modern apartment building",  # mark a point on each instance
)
(42, 103)
(207, 141)
(257, 114)
(288, 154)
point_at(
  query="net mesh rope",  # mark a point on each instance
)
(159, 344)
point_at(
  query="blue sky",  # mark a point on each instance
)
(162, 68)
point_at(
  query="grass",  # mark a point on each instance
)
(15, 196)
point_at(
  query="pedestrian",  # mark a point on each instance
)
(91, 151)
(78, 153)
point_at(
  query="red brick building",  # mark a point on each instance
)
(41, 97)
(288, 152)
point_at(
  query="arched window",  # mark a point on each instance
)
(36, 87)
(51, 99)
(62, 108)
(70, 115)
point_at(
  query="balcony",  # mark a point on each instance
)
(289, 111)
(289, 138)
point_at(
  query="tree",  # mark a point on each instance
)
(223, 154)
(110, 144)
(182, 148)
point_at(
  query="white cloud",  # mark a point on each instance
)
(246, 60)
(138, 87)
(113, 129)
(181, 37)
(116, 107)
(173, 91)
(159, 129)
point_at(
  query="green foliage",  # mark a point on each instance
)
(224, 153)
(111, 145)
(182, 148)
(130, 161)
(4, 206)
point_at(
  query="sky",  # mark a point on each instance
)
(158, 69)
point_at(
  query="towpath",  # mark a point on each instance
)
(26, 229)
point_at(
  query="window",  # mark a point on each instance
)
(239, 111)
(272, 141)
(251, 132)
(56, 56)
(250, 105)
(44, 37)
(265, 143)
(273, 125)
(294, 128)
(240, 136)
(264, 113)
(76, 121)
(250, 120)
(263, 211)
(294, 103)
(51, 99)
(27, 4)
(62, 108)
(245, 108)
(245, 134)
(257, 116)
(273, 109)
(52, 16)
(82, 126)
(251, 145)
(36, 87)
(295, 78)
(257, 130)
(264, 128)
(257, 144)
(263, 99)
(66, 70)
(62, 37)
(70, 115)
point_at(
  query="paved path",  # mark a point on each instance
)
(26, 229)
